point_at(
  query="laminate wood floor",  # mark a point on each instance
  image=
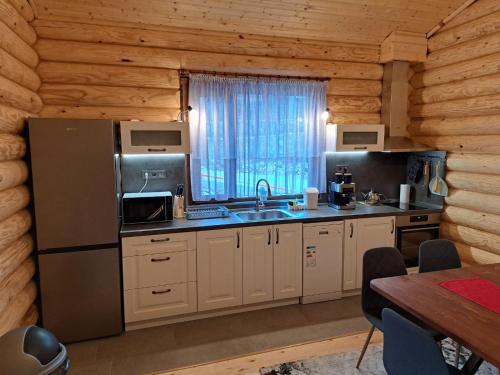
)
(185, 344)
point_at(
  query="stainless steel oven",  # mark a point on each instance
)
(411, 231)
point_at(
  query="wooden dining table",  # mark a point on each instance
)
(468, 323)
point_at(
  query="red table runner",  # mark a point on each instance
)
(478, 290)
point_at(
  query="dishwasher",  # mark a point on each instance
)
(322, 261)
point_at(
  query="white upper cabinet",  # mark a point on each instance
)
(138, 137)
(355, 137)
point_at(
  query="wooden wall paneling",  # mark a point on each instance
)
(18, 308)
(17, 72)
(472, 255)
(17, 47)
(14, 227)
(472, 237)
(14, 254)
(404, 46)
(196, 40)
(24, 8)
(12, 147)
(12, 200)
(15, 283)
(108, 75)
(354, 87)
(481, 183)
(30, 318)
(477, 163)
(485, 222)
(471, 200)
(93, 53)
(482, 105)
(12, 119)
(483, 144)
(16, 22)
(53, 94)
(14, 95)
(357, 104)
(12, 173)
(477, 10)
(355, 118)
(441, 126)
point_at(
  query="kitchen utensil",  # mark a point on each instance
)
(415, 172)
(372, 197)
(437, 185)
(425, 175)
(311, 198)
(207, 213)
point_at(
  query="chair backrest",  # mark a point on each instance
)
(436, 255)
(410, 349)
(377, 263)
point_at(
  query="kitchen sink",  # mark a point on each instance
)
(263, 215)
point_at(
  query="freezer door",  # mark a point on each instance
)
(80, 294)
(74, 182)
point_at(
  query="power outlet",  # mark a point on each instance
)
(154, 174)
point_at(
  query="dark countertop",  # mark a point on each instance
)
(322, 214)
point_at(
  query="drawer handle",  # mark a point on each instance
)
(160, 259)
(277, 235)
(323, 232)
(352, 230)
(160, 240)
(156, 149)
(269, 236)
(161, 291)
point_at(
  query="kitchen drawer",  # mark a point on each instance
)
(323, 229)
(159, 269)
(159, 302)
(160, 243)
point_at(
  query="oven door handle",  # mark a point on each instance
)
(418, 229)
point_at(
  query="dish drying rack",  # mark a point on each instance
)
(206, 213)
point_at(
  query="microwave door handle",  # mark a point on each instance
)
(156, 213)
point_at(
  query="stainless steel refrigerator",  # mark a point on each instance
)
(74, 171)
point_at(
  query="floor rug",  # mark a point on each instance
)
(344, 363)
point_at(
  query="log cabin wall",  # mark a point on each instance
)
(455, 106)
(18, 100)
(125, 71)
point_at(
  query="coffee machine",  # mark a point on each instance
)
(342, 191)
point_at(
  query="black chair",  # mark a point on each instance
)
(437, 255)
(378, 263)
(410, 349)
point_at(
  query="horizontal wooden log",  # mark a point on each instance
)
(482, 66)
(480, 183)
(16, 22)
(13, 200)
(115, 113)
(12, 120)
(355, 118)
(195, 40)
(472, 237)
(469, 88)
(12, 173)
(56, 94)
(108, 75)
(473, 12)
(473, 125)
(474, 256)
(354, 87)
(477, 28)
(482, 105)
(17, 47)
(12, 147)
(357, 104)
(471, 200)
(15, 283)
(464, 51)
(24, 9)
(17, 72)
(18, 308)
(473, 219)
(30, 318)
(486, 144)
(477, 163)
(14, 254)
(14, 95)
(93, 53)
(14, 227)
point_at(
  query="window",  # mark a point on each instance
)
(243, 129)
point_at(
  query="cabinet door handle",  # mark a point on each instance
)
(157, 149)
(238, 240)
(161, 291)
(160, 259)
(277, 235)
(160, 240)
(269, 236)
(393, 226)
(352, 230)
(323, 232)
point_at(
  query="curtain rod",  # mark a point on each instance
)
(185, 73)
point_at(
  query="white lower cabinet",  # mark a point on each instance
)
(258, 264)
(219, 266)
(287, 260)
(361, 235)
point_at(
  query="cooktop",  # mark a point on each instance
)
(404, 206)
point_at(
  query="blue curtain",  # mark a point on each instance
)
(246, 128)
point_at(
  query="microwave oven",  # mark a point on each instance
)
(150, 207)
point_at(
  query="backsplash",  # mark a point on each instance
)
(132, 167)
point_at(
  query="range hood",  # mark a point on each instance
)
(395, 109)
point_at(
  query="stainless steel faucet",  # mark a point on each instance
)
(257, 200)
